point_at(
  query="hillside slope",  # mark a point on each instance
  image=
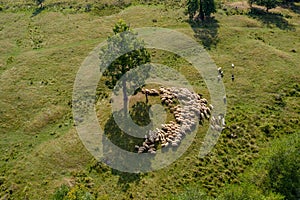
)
(39, 59)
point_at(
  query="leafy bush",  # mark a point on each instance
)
(246, 191)
(10, 60)
(284, 169)
(276, 175)
(61, 192)
(78, 192)
(190, 193)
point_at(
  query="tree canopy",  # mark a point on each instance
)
(204, 8)
(124, 51)
(192, 8)
(208, 7)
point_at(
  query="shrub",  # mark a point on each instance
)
(78, 192)
(190, 193)
(284, 169)
(246, 191)
(276, 175)
(10, 60)
(61, 192)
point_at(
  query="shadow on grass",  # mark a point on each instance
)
(295, 8)
(140, 115)
(271, 19)
(126, 178)
(37, 11)
(206, 31)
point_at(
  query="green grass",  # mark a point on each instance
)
(39, 58)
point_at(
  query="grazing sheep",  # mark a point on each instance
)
(202, 116)
(152, 151)
(145, 145)
(154, 92)
(165, 144)
(218, 128)
(192, 105)
(223, 122)
(206, 114)
(168, 140)
(174, 144)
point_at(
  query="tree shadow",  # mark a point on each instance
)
(125, 178)
(37, 11)
(295, 8)
(206, 31)
(291, 6)
(271, 19)
(140, 115)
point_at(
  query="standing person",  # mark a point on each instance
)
(220, 72)
(232, 76)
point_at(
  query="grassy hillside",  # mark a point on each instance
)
(39, 59)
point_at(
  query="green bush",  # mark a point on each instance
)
(61, 192)
(276, 175)
(78, 192)
(190, 193)
(284, 169)
(246, 191)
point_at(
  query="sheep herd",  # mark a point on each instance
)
(188, 108)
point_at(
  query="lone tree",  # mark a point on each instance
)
(124, 52)
(204, 7)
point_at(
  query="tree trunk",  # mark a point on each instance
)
(146, 94)
(125, 97)
(201, 13)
